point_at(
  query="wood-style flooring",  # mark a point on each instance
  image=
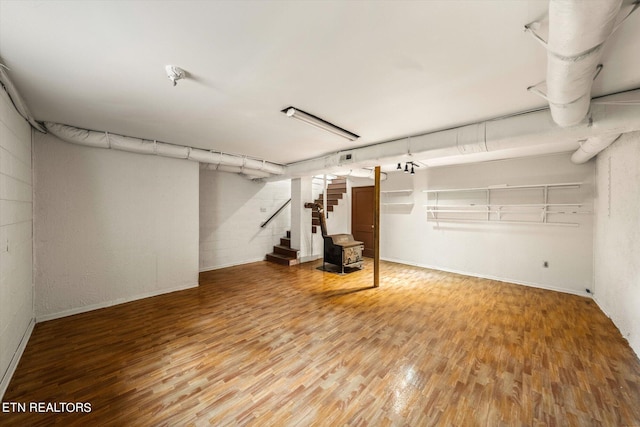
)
(268, 345)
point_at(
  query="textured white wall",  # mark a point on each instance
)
(16, 284)
(617, 236)
(508, 252)
(110, 226)
(231, 211)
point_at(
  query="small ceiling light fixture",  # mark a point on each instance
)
(175, 73)
(406, 167)
(319, 123)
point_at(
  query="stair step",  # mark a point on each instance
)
(284, 250)
(315, 221)
(314, 229)
(329, 202)
(339, 181)
(336, 196)
(281, 259)
(337, 187)
(285, 241)
(288, 234)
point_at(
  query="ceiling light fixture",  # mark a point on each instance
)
(319, 123)
(175, 73)
(406, 167)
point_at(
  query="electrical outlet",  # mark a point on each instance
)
(545, 264)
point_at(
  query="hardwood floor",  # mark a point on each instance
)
(268, 345)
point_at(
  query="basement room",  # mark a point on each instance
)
(320, 213)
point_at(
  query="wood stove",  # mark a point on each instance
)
(341, 250)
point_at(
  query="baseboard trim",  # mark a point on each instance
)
(624, 333)
(11, 369)
(310, 258)
(500, 279)
(78, 310)
(233, 264)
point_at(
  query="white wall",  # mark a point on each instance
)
(508, 252)
(231, 211)
(617, 236)
(301, 193)
(110, 226)
(16, 284)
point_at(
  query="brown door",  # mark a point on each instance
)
(362, 209)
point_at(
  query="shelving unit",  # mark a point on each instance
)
(396, 195)
(524, 204)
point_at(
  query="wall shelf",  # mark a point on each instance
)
(398, 204)
(396, 191)
(397, 198)
(523, 204)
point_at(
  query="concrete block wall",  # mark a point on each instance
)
(16, 284)
(231, 210)
(617, 236)
(110, 226)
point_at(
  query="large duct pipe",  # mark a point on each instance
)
(359, 173)
(577, 31)
(592, 146)
(250, 173)
(525, 134)
(252, 168)
(17, 100)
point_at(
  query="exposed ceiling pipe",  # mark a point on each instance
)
(592, 146)
(577, 31)
(251, 168)
(359, 173)
(531, 133)
(17, 100)
(249, 173)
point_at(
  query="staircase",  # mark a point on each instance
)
(335, 190)
(283, 254)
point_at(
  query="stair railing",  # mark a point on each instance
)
(264, 224)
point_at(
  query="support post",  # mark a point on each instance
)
(376, 229)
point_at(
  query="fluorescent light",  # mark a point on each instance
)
(319, 123)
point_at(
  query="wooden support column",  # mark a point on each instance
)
(376, 229)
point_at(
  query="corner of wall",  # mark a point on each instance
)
(16, 231)
(617, 236)
(13, 364)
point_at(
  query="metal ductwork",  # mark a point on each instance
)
(592, 146)
(251, 168)
(577, 31)
(526, 134)
(17, 100)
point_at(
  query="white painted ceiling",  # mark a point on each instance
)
(381, 69)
